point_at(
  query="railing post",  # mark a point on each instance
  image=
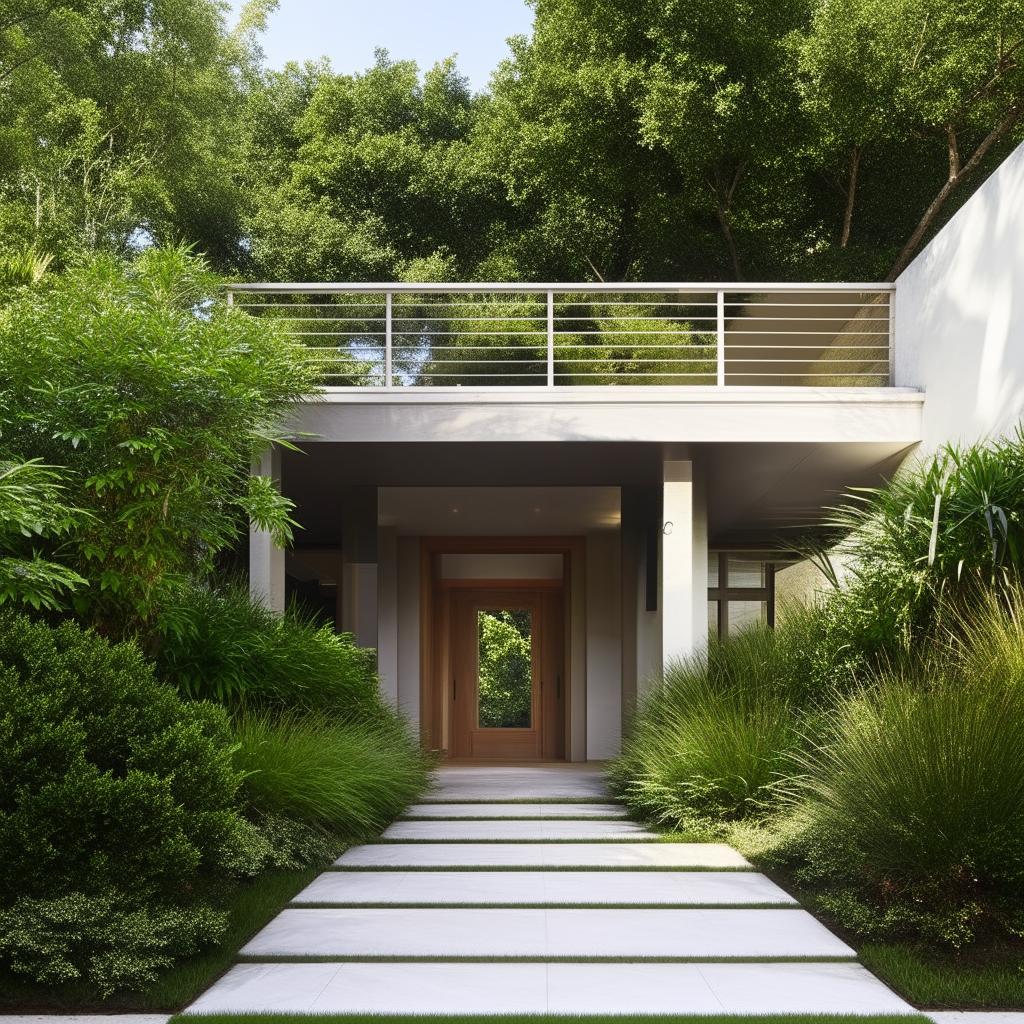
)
(551, 338)
(230, 297)
(891, 308)
(387, 339)
(721, 338)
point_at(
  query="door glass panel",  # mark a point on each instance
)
(505, 668)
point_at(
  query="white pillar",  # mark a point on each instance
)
(387, 613)
(359, 514)
(604, 652)
(266, 559)
(684, 562)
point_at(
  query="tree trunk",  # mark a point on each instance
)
(957, 173)
(851, 197)
(730, 241)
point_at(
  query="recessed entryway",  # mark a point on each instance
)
(495, 655)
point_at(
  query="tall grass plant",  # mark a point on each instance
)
(347, 778)
(717, 738)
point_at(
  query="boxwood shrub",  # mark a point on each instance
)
(118, 809)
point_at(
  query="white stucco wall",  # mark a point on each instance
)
(959, 325)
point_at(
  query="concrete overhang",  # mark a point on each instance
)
(612, 414)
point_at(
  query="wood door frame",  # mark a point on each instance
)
(467, 738)
(435, 619)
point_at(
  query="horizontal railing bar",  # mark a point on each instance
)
(479, 334)
(689, 347)
(819, 319)
(842, 334)
(600, 287)
(799, 348)
(801, 376)
(741, 304)
(808, 362)
(562, 373)
(626, 373)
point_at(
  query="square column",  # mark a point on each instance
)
(684, 562)
(359, 583)
(266, 559)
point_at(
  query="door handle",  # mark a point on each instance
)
(453, 688)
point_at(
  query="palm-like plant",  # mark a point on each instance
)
(23, 267)
(942, 528)
(31, 509)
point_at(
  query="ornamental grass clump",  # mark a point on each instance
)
(913, 802)
(714, 742)
(221, 645)
(347, 778)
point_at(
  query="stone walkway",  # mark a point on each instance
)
(526, 891)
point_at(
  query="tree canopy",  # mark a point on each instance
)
(621, 140)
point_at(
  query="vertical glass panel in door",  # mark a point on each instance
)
(505, 668)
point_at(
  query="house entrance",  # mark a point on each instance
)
(495, 672)
(507, 686)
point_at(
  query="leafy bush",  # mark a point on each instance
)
(116, 794)
(222, 645)
(31, 508)
(350, 778)
(950, 524)
(914, 802)
(108, 938)
(714, 742)
(154, 397)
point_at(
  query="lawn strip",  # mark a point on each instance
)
(987, 979)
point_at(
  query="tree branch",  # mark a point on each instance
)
(956, 175)
(851, 197)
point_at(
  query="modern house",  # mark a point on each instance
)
(530, 497)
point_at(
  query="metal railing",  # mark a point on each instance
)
(548, 335)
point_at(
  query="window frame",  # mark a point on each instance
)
(724, 594)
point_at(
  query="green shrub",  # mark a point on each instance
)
(107, 938)
(941, 529)
(914, 801)
(350, 778)
(715, 741)
(154, 397)
(115, 793)
(31, 508)
(223, 646)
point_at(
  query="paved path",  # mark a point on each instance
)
(525, 890)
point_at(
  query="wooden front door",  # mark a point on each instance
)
(506, 686)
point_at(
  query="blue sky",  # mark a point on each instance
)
(426, 31)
